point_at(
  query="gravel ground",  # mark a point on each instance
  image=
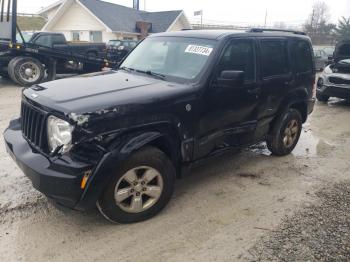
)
(225, 210)
(319, 232)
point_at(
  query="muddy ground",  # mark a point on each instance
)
(241, 207)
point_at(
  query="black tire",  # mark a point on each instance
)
(322, 98)
(18, 76)
(11, 69)
(146, 157)
(276, 139)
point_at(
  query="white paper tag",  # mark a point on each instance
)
(199, 50)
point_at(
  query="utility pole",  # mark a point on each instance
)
(202, 19)
(265, 19)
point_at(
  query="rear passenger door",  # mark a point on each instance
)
(275, 75)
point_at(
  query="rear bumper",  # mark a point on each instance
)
(58, 178)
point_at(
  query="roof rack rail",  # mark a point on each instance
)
(261, 30)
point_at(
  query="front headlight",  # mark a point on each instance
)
(59, 133)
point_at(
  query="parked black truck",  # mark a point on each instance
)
(119, 139)
(45, 54)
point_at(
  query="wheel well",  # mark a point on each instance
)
(302, 108)
(170, 149)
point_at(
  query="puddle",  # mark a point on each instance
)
(309, 145)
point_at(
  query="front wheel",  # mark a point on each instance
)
(140, 189)
(285, 133)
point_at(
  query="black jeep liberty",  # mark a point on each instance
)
(119, 139)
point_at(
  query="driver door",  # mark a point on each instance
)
(230, 112)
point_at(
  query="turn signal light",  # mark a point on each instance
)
(85, 179)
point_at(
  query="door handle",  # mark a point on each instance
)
(255, 91)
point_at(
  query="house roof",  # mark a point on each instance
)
(123, 19)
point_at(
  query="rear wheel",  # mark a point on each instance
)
(285, 133)
(26, 71)
(140, 188)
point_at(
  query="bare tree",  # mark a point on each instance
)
(317, 26)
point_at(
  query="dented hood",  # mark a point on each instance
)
(102, 91)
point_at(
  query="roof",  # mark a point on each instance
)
(218, 34)
(123, 19)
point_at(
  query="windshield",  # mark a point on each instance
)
(172, 57)
(114, 43)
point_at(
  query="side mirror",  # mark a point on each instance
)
(231, 79)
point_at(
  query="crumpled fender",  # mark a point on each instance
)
(108, 165)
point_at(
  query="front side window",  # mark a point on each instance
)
(239, 56)
(178, 58)
(303, 56)
(274, 58)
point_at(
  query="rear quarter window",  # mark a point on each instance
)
(274, 58)
(302, 55)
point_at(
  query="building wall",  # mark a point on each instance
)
(76, 18)
(50, 13)
(179, 25)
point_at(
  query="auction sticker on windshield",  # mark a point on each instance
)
(199, 50)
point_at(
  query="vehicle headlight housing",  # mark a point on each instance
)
(59, 134)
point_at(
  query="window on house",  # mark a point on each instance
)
(274, 58)
(75, 36)
(96, 36)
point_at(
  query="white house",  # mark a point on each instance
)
(99, 21)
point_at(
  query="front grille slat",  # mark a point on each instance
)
(339, 81)
(33, 125)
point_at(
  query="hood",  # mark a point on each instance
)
(342, 51)
(102, 91)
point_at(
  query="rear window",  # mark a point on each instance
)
(274, 58)
(303, 56)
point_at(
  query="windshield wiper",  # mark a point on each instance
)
(128, 69)
(151, 73)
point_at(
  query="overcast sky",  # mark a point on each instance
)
(241, 12)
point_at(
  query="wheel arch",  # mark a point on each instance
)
(296, 100)
(119, 150)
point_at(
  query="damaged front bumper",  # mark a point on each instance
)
(327, 88)
(59, 177)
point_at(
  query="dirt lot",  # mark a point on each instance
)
(245, 207)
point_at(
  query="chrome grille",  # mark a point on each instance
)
(33, 125)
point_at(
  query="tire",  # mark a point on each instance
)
(321, 98)
(17, 71)
(11, 69)
(284, 135)
(148, 160)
